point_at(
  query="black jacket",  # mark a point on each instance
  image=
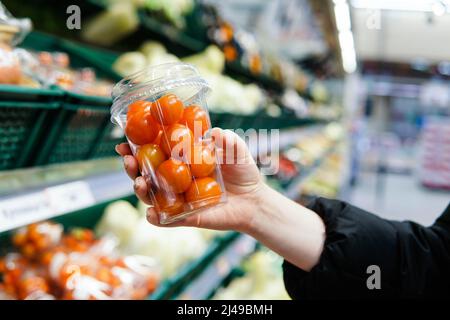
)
(414, 261)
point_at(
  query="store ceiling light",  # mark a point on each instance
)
(439, 7)
(346, 42)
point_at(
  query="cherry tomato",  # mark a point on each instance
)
(202, 161)
(177, 140)
(204, 189)
(138, 106)
(167, 110)
(141, 128)
(149, 157)
(195, 116)
(174, 175)
(31, 284)
(170, 203)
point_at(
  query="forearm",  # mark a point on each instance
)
(291, 230)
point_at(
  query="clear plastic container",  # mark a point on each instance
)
(164, 115)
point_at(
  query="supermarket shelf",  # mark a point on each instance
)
(51, 201)
(261, 121)
(219, 269)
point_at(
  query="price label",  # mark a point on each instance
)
(44, 204)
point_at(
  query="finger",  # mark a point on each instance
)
(232, 149)
(131, 166)
(153, 218)
(141, 190)
(123, 149)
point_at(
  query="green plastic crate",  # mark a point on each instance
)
(80, 132)
(82, 129)
(25, 115)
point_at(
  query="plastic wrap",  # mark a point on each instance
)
(76, 265)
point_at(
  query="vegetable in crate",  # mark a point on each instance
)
(117, 21)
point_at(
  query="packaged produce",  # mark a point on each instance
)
(76, 265)
(54, 68)
(163, 113)
(11, 32)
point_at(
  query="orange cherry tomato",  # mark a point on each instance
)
(177, 140)
(202, 161)
(167, 110)
(194, 116)
(141, 128)
(174, 175)
(32, 284)
(206, 189)
(170, 203)
(150, 156)
(19, 238)
(138, 106)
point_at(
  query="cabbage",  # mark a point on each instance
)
(129, 63)
(119, 219)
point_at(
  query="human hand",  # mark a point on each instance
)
(242, 181)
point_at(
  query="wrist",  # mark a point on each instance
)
(262, 213)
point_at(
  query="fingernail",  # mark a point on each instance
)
(116, 148)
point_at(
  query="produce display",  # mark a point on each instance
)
(172, 248)
(54, 68)
(262, 280)
(326, 180)
(49, 264)
(119, 19)
(233, 96)
(165, 125)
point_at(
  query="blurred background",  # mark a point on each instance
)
(359, 90)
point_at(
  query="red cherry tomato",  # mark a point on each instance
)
(202, 161)
(167, 110)
(177, 140)
(149, 157)
(141, 128)
(194, 116)
(174, 175)
(169, 203)
(138, 106)
(206, 189)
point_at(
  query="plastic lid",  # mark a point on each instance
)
(155, 80)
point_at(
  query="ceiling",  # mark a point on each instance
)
(401, 36)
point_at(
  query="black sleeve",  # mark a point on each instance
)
(414, 261)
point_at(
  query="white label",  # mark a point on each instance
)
(50, 202)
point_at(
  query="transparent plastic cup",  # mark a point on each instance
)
(163, 112)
